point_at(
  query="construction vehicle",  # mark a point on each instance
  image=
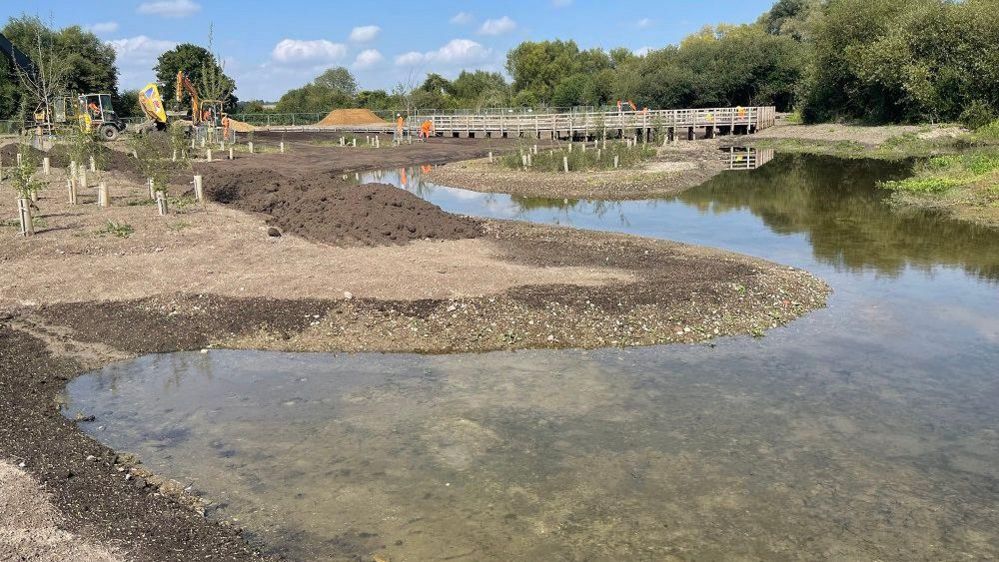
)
(91, 112)
(184, 83)
(152, 105)
(97, 114)
(158, 115)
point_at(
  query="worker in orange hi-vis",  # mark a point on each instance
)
(425, 129)
(399, 124)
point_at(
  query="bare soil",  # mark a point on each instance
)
(869, 136)
(335, 211)
(676, 168)
(76, 296)
(30, 524)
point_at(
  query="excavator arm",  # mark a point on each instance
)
(19, 59)
(184, 83)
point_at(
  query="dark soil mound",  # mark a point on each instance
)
(335, 211)
(8, 154)
(110, 160)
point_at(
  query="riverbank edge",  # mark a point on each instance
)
(108, 496)
(975, 202)
(675, 168)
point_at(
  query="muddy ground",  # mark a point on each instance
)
(77, 296)
(676, 168)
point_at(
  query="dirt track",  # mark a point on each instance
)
(74, 298)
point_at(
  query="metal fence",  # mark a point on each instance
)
(10, 127)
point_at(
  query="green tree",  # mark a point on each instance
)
(128, 104)
(903, 60)
(569, 92)
(433, 93)
(794, 18)
(723, 66)
(88, 65)
(538, 67)
(338, 79)
(479, 89)
(252, 106)
(330, 90)
(192, 59)
(374, 99)
(10, 92)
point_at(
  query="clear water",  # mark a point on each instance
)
(867, 430)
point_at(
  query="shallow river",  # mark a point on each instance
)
(867, 430)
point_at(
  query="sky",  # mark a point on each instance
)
(272, 46)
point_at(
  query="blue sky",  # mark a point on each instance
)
(272, 46)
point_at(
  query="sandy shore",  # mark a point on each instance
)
(76, 297)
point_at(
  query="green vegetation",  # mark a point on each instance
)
(200, 66)
(82, 146)
(87, 64)
(154, 155)
(119, 229)
(335, 87)
(964, 185)
(873, 61)
(943, 173)
(901, 60)
(590, 159)
(22, 175)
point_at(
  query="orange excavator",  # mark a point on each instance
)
(184, 83)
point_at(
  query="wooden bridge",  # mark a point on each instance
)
(672, 123)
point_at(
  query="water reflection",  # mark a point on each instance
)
(844, 221)
(748, 158)
(864, 431)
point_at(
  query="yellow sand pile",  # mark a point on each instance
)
(241, 127)
(352, 117)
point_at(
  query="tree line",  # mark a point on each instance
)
(874, 61)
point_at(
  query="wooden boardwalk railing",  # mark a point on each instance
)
(612, 123)
(647, 123)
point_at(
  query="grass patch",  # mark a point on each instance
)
(965, 185)
(841, 149)
(580, 159)
(118, 229)
(37, 222)
(922, 185)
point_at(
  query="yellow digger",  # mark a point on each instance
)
(158, 117)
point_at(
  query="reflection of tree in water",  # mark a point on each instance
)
(569, 207)
(837, 204)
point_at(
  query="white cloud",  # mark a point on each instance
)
(303, 51)
(104, 27)
(643, 23)
(456, 51)
(411, 58)
(498, 27)
(364, 33)
(170, 8)
(462, 18)
(642, 51)
(136, 57)
(367, 59)
(140, 48)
